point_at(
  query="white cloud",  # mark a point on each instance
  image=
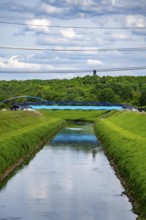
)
(120, 36)
(114, 2)
(87, 3)
(95, 62)
(52, 9)
(135, 21)
(81, 3)
(2, 62)
(42, 25)
(90, 13)
(69, 33)
(14, 63)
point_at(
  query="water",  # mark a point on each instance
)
(70, 178)
(77, 107)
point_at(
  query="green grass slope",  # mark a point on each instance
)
(123, 135)
(21, 132)
(75, 115)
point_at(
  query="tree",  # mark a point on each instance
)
(143, 97)
(107, 95)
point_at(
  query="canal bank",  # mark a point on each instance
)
(48, 116)
(22, 132)
(17, 143)
(69, 178)
(123, 138)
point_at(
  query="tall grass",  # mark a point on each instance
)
(123, 135)
(21, 132)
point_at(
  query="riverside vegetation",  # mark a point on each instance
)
(124, 138)
(21, 133)
(122, 134)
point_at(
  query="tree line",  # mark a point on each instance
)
(121, 89)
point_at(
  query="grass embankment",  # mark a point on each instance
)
(21, 133)
(75, 115)
(123, 135)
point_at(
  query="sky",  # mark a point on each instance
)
(107, 15)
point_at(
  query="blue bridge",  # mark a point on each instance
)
(40, 103)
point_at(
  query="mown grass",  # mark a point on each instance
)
(74, 115)
(123, 135)
(21, 132)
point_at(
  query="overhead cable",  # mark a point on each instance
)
(68, 26)
(74, 50)
(74, 71)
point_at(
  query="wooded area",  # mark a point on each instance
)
(121, 89)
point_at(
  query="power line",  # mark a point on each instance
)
(74, 50)
(46, 71)
(74, 71)
(65, 26)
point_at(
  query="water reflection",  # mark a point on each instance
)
(78, 139)
(25, 163)
(64, 182)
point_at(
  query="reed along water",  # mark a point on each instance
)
(69, 179)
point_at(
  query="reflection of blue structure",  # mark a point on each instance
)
(77, 139)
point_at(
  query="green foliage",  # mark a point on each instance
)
(21, 132)
(123, 136)
(107, 95)
(143, 97)
(123, 89)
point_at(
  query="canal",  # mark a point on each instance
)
(69, 179)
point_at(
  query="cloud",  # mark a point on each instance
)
(70, 38)
(42, 25)
(70, 8)
(72, 13)
(91, 8)
(135, 21)
(69, 33)
(120, 37)
(95, 62)
(14, 63)
(17, 10)
(114, 2)
(50, 9)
